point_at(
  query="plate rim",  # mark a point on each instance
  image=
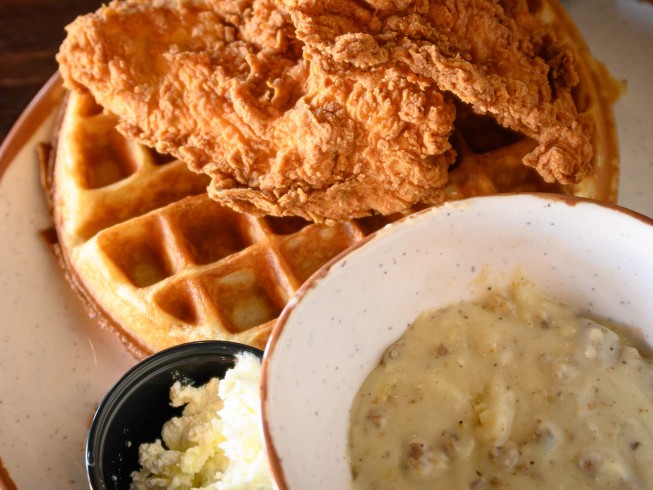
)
(38, 110)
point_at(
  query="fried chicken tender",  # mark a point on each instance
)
(492, 54)
(224, 86)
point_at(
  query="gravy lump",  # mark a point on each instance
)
(516, 391)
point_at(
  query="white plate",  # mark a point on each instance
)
(55, 364)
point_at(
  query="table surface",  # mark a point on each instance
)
(30, 34)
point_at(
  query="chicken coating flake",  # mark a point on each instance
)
(327, 109)
(224, 86)
(493, 54)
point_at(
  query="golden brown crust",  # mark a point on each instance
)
(593, 97)
(360, 124)
(6, 483)
(187, 269)
(47, 159)
(188, 285)
(224, 87)
(499, 58)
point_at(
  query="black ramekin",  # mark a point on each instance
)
(135, 409)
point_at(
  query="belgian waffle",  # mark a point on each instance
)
(153, 257)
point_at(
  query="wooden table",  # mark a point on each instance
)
(30, 34)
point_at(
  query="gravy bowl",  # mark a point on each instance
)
(595, 257)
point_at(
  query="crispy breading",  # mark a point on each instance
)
(224, 86)
(493, 54)
(327, 109)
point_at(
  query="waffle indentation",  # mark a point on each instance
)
(482, 133)
(246, 293)
(87, 107)
(534, 6)
(138, 251)
(370, 224)
(159, 158)
(285, 226)
(168, 185)
(209, 231)
(177, 299)
(581, 98)
(311, 248)
(107, 155)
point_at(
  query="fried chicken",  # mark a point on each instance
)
(223, 85)
(492, 54)
(327, 109)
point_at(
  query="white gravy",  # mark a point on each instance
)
(513, 392)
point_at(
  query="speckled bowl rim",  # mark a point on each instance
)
(386, 233)
(155, 362)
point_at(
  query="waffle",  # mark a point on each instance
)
(155, 258)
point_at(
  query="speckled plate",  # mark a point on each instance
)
(55, 364)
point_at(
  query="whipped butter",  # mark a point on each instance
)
(516, 391)
(215, 444)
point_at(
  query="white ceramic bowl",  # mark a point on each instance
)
(593, 256)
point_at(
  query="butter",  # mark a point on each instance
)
(215, 443)
(515, 391)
